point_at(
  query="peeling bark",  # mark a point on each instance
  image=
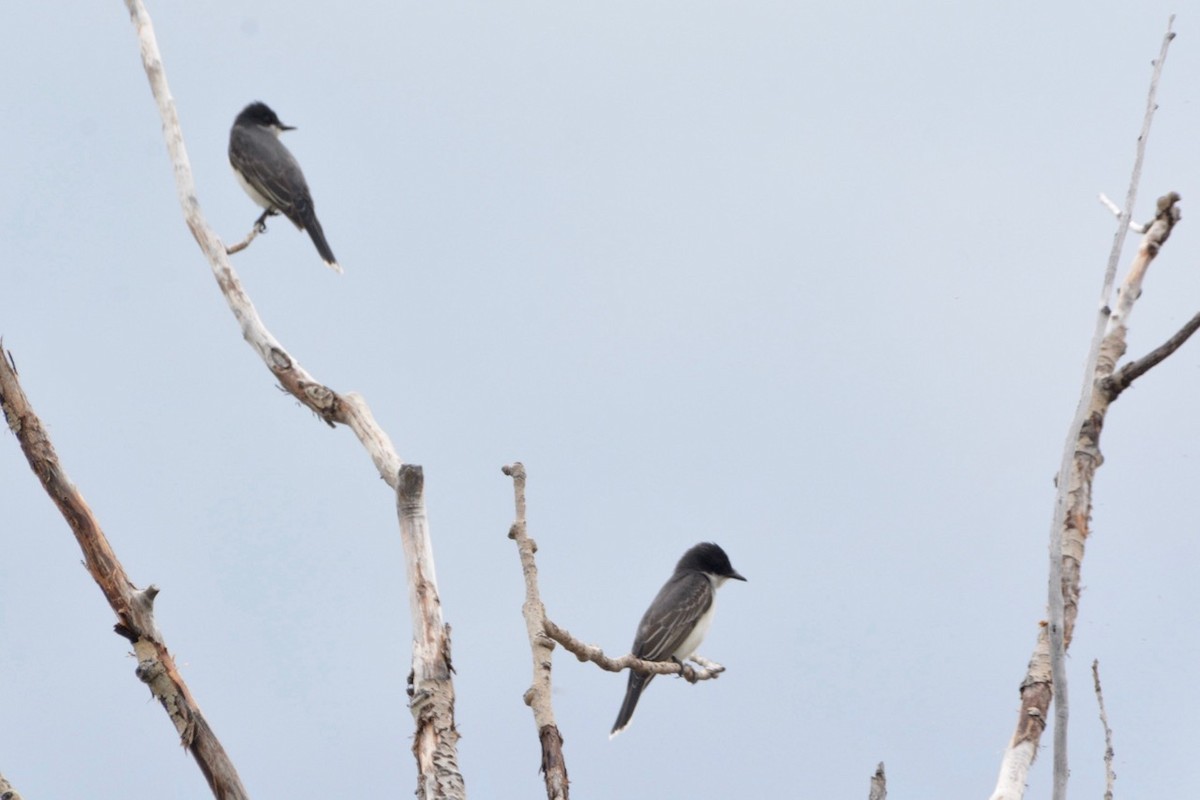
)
(539, 696)
(134, 608)
(1037, 688)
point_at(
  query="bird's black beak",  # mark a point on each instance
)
(737, 576)
(283, 127)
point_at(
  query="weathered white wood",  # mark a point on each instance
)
(7, 791)
(1072, 505)
(878, 784)
(539, 696)
(435, 745)
(431, 687)
(1014, 771)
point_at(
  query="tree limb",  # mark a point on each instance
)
(539, 695)
(1136, 227)
(244, 243)
(1113, 385)
(134, 608)
(346, 409)
(1072, 505)
(430, 685)
(709, 670)
(1075, 494)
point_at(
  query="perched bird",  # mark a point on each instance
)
(675, 623)
(270, 174)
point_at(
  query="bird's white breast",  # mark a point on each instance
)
(250, 190)
(692, 643)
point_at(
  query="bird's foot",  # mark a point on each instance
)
(260, 224)
(686, 672)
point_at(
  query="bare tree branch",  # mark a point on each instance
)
(429, 631)
(589, 652)
(1075, 491)
(1136, 227)
(1068, 527)
(1126, 375)
(134, 608)
(1135, 178)
(538, 696)
(878, 784)
(250, 237)
(7, 792)
(1109, 776)
(430, 686)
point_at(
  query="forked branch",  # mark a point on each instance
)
(431, 655)
(1047, 675)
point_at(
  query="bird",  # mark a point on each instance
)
(271, 176)
(675, 623)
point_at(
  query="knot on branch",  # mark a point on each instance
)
(322, 400)
(1167, 213)
(149, 670)
(144, 599)
(278, 360)
(410, 489)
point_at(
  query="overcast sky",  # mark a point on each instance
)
(810, 280)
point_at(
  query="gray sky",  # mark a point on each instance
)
(813, 281)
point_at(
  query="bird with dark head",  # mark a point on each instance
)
(271, 176)
(675, 623)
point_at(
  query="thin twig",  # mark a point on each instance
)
(1136, 227)
(1135, 178)
(244, 243)
(590, 652)
(1110, 777)
(1126, 375)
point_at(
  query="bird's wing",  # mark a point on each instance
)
(672, 616)
(271, 169)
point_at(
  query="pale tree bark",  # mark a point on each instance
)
(134, 608)
(878, 784)
(538, 696)
(430, 685)
(1037, 689)
(7, 792)
(1058, 588)
(431, 690)
(1046, 674)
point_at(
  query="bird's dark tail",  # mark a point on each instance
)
(637, 683)
(318, 236)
